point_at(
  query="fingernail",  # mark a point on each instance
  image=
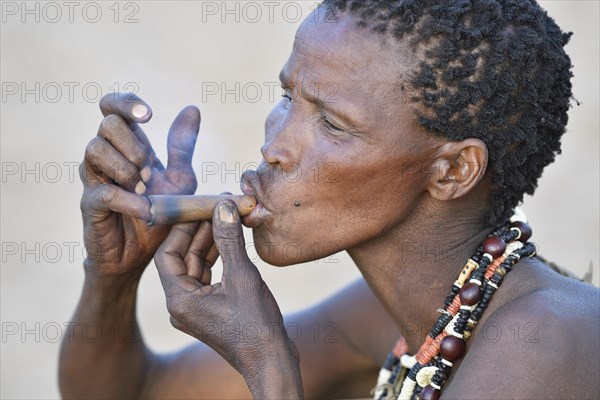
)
(139, 110)
(140, 188)
(226, 213)
(146, 173)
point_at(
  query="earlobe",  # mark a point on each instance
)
(458, 168)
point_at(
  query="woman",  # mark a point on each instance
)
(426, 122)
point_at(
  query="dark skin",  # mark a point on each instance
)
(408, 207)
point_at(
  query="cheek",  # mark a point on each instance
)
(326, 207)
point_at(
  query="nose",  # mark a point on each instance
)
(282, 148)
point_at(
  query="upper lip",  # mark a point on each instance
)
(246, 183)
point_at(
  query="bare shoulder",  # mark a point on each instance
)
(542, 344)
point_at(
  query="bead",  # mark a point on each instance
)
(408, 387)
(400, 348)
(469, 267)
(525, 230)
(494, 246)
(475, 281)
(492, 284)
(470, 294)
(408, 361)
(425, 374)
(452, 348)
(389, 361)
(429, 393)
(446, 362)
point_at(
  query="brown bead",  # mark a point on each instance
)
(452, 348)
(429, 393)
(525, 230)
(494, 246)
(470, 294)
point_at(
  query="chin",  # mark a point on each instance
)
(281, 250)
(271, 248)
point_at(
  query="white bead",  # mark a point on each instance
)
(408, 361)
(450, 328)
(492, 284)
(382, 379)
(408, 387)
(446, 362)
(518, 233)
(425, 374)
(512, 247)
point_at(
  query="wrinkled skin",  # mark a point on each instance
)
(352, 171)
(343, 160)
(116, 234)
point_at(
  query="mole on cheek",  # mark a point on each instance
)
(297, 203)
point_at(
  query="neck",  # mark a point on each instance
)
(412, 267)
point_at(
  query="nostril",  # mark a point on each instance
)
(268, 154)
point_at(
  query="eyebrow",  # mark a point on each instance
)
(319, 101)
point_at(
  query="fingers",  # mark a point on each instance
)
(169, 258)
(116, 131)
(199, 248)
(182, 138)
(126, 105)
(109, 197)
(229, 238)
(102, 157)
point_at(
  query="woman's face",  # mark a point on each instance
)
(343, 154)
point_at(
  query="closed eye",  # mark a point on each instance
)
(328, 124)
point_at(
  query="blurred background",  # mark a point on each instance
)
(58, 59)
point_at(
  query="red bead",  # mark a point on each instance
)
(429, 393)
(470, 294)
(452, 348)
(494, 246)
(524, 228)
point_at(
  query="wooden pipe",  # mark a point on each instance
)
(171, 209)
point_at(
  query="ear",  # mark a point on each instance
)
(457, 169)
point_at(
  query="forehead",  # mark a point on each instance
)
(338, 42)
(336, 55)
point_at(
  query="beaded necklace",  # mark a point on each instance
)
(421, 377)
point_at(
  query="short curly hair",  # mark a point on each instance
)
(493, 70)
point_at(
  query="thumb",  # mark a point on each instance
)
(229, 238)
(182, 138)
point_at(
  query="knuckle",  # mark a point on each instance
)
(130, 174)
(84, 203)
(83, 172)
(108, 194)
(95, 147)
(110, 123)
(140, 155)
(228, 233)
(108, 98)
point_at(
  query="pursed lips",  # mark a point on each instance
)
(260, 213)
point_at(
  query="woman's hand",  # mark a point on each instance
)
(238, 317)
(118, 162)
